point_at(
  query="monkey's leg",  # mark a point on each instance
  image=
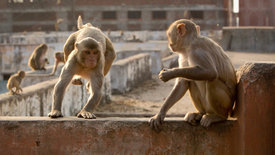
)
(110, 56)
(194, 117)
(175, 95)
(220, 100)
(96, 83)
(59, 90)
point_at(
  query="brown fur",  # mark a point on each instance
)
(59, 58)
(37, 60)
(14, 82)
(205, 70)
(88, 53)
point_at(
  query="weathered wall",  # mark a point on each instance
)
(255, 108)
(259, 39)
(33, 135)
(34, 77)
(154, 54)
(36, 100)
(130, 72)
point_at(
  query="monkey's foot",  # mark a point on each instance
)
(55, 114)
(208, 119)
(156, 122)
(85, 114)
(77, 82)
(193, 118)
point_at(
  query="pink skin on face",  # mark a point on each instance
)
(91, 58)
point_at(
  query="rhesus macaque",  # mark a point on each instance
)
(205, 70)
(15, 81)
(37, 60)
(59, 57)
(89, 54)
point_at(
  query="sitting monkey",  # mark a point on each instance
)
(89, 54)
(37, 60)
(205, 70)
(15, 81)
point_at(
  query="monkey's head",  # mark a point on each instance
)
(59, 56)
(21, 73)
(43, 46)
(180, 33)
(88, 52)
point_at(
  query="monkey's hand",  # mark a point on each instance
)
(85, 114)
(55, 114)
(165, 75)
(156, 122)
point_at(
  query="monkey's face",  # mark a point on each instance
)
(88, 52)
(172, 40)
(21, 74)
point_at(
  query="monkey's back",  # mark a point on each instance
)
(93, 32)
(220, 60)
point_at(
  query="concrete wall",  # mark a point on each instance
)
(130, 72)
(259, 39)
(154, 54)
(170, 61)
(36, 100)
(42, 135)
(252, 133)
(255, 108)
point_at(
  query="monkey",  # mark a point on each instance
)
(37, 60)
(59, 58)
(204, 70)
(14, 82)
(88, 53)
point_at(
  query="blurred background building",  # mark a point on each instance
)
(61, 15)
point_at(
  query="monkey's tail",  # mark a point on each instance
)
(39, 75)
(80, 23)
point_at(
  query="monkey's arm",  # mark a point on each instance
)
(65, 78)
(180, 88)
(95, 89)
(55, 67)
(202, 69)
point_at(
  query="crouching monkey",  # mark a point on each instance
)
(89, 54)
(15, 81)
(205, 70)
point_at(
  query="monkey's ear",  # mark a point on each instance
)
(198, 29)
(181, 29)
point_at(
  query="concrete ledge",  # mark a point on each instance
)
(70, 135)
(170, 61)
(155, 57)
(30, 79)
(258, 39)
(129, 72)
(36, 100)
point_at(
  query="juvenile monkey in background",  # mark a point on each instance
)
(37, 60)
(15, 81)
(89, 54)
(59, 58)
(205, 70)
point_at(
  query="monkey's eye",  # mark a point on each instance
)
(95, 52)
(87, 52)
